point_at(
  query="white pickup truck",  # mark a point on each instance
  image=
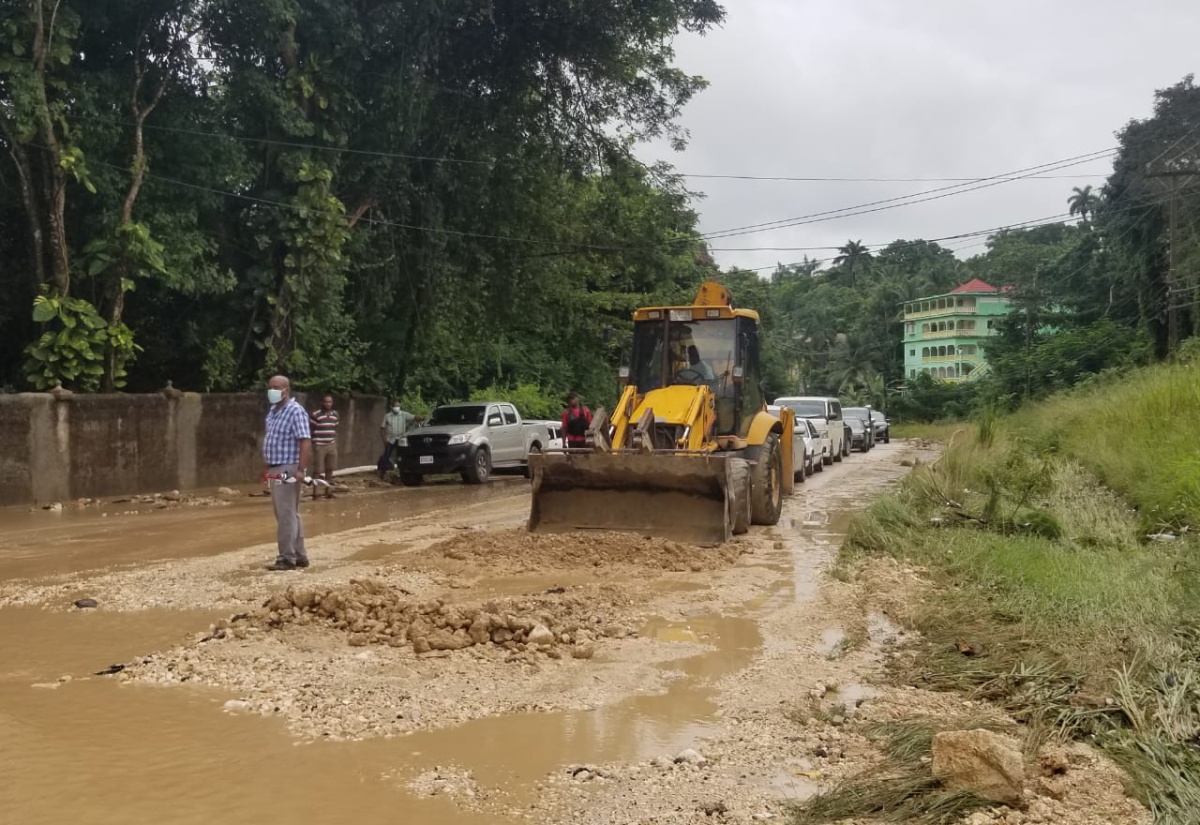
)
(471, 439)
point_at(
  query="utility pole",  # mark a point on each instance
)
(1173, 170)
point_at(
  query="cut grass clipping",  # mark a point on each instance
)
(1060, 544)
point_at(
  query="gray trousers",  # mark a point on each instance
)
(286, 500)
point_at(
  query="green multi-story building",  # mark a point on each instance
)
(944, 334)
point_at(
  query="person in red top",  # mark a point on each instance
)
(576, 419)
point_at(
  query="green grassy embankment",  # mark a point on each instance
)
(1036, 530)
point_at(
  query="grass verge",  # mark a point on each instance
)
(1034, 530)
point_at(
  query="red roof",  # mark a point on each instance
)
(974, 285)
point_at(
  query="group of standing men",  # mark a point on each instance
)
(298, 442)
(299, 445)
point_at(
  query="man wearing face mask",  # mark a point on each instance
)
(287, 449)
(395, 424)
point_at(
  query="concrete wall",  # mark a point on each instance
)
(59, 446)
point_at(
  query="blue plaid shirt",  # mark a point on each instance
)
(286, 425)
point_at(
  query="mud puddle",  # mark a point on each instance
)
(197, 764)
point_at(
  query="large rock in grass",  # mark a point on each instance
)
(981, 762)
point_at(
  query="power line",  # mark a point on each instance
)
(578, 247)
(1029, 224)
(575, 247)
(290, 144)
(790, 179)
(1032, 223)
(905, 200)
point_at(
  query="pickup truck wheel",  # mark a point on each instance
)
(412, 479)
(481, 468)
(536, 449)
(766, 483)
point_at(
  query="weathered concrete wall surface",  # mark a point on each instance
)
(56, 447)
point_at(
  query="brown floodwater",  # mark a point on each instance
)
(91, 750)
(94, 750)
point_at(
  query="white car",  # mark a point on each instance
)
(554, 428)
(826, 413)
(813, 444)
(806, 447)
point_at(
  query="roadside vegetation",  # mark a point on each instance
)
(1059, 543)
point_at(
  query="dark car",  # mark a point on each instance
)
(867, 416)
(859, 433)
(883, 430)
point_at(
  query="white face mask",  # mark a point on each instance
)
(274, 396)
(395, 409)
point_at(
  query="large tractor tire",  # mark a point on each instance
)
(766, 483)
(739, 495)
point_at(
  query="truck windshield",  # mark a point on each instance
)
(677, 352)
(807, 409)
(444, 416)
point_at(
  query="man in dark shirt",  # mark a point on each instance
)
(324, 438)
(576, 419)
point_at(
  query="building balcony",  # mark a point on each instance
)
(957, 358)
(948, 333)
(940, 313)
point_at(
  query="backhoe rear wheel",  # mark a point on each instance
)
(766, 483)
(739, 495)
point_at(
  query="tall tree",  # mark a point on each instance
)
(854, 259)
(1083, 202)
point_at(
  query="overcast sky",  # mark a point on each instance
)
(924, 88)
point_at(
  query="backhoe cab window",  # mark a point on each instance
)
(696, 352)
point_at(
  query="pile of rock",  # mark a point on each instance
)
(373, 613)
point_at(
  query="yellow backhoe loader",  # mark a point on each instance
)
(690, 451)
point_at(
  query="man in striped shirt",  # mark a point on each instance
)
(324, 437)
(286, 449)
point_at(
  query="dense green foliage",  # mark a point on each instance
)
(430, 198)
(416, 196)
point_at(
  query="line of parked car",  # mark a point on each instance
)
(827, 432)
(476, 438)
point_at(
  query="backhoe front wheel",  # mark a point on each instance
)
(739, 495)
(766, 483)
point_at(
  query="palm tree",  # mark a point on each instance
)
(1083, 202)
(853, 257)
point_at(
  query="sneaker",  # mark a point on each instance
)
(283, 564)
(301, 563)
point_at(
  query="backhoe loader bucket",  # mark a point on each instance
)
(676, 496)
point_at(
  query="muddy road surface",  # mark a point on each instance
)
(436, 664)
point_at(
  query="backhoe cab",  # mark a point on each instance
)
(690, 451)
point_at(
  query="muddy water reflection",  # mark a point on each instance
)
(92, 750)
